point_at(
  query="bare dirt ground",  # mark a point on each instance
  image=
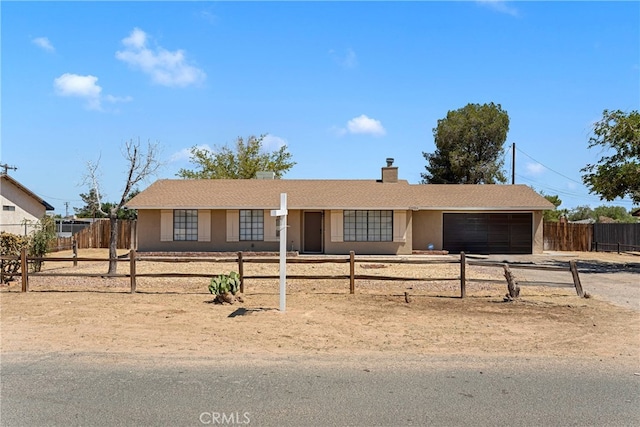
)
(175, 316)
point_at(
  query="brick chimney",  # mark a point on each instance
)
(390, 172)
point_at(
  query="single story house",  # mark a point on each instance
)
(21, 208)
(385, 216)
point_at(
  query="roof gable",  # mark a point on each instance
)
(28, 192)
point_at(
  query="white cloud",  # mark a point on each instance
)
(273, 143)
(499, 6)
(346, 60)
(115, 99)
(43, 43)
(185, 153)
(572, 185)
(365, 125)
(79, 86)
(87, 88)
(534, 168)
(209, 16)
(165, 67)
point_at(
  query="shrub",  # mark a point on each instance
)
(39, 239)
(11, 245)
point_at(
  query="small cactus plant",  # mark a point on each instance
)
(225, 287)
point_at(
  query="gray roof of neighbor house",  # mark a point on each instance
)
(334, 194)
(47, 206)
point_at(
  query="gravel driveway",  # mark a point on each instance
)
(608, 276)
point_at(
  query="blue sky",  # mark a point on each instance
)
(343, 84)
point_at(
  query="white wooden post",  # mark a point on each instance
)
(282, 213)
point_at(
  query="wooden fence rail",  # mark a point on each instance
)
(133, 259)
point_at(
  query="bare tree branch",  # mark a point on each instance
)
(141, 165)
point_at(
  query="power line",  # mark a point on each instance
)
(588, 198)
(547, 167)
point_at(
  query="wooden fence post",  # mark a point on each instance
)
(241, 272)
(512, 287)
(132, 270)
(74, 246)
(576, 278)
(24, 268)
(463, 275)
(352, 271)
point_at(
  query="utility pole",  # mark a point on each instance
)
(513, 163)
(6, 168)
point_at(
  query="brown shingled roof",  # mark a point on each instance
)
(333, 194)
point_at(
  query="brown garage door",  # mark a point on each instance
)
(495, 233)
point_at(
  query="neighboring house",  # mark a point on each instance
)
(70, 226)
(21, 208)
(386, 216)
(584, 221)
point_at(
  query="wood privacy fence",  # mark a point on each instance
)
(562, 236)
(602, 237)
(133, 259)
(616, 237)
(97, 235)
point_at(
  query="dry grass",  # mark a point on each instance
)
(174, 315)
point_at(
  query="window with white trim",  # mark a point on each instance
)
(185, 225)
(368, 226)
(8, 208)
(252, 224)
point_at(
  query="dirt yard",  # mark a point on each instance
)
(175, 316)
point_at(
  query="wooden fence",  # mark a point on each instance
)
(97, 235)
(559, 236)
(562, 236)
(616, 237)
(133, 259)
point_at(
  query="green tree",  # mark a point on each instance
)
(555, 214)
(617, 213)
(616, 175)
(469, 146)
(241, 162)
(94, 209)
(91, 208)
(580, 212)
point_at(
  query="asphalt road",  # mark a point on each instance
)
(428, 391)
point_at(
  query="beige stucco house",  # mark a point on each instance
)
(385, 216)
(21, 208)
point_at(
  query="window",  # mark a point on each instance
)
(252, 224)
(185, 224)
(368, 226)
(8, 208)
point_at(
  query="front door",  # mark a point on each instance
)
(312, 232)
